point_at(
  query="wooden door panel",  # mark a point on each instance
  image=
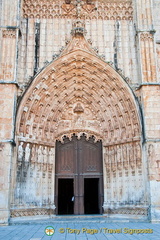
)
(79, 159)
(65, 158)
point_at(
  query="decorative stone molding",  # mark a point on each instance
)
(31, 212)
(128, 211)
(146, 36)
(9, 33)
(107, 10)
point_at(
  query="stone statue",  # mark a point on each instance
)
(45, 155)
(138, 151)
(40, 156)
(33, 155)
(27, 153)
(130, 153)
(118, 153)
(124, 153)
(20, 152)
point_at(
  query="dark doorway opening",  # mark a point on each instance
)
(91, 193)
(65, 196)
(79, 173)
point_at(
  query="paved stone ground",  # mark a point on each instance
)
(83, 230)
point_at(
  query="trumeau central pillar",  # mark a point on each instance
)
(149, 92)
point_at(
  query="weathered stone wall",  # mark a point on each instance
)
(149, 91)
(8, 94)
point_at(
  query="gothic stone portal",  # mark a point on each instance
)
(79, 93)
(79, 176)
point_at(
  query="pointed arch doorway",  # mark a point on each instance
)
(79, 176)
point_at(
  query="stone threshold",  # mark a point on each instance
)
(77, 219)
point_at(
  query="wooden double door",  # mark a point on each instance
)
(79, 176)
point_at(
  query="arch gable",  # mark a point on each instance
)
(78, 92)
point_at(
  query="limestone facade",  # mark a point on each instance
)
(79, 68)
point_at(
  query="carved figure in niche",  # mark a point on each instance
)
(46, 133)
(110, 125)
(43, 118)
(111, 134)
(20, 152)
(125, 160)
(106, 159)
(138, 151)
(36, 120)
(27, 153)
(112, 158)
(34, 131)
(127, 118)
(129, 127)
(136, 130)
(79, 121)
(27, 129)
(40, 155)
(115, 122)
(133, 115)
(40, 131)
(123, 133)
(130, 152)
(150, 150)
(118, 110)
(31, 116)
(119, 154)
(130, 104)
(116, 132)
(33, 155)
(45, 155)
(121, 121)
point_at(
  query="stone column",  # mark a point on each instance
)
(149, 92)
(9, 31)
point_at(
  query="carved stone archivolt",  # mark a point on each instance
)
(78, 91)
(107, 10)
